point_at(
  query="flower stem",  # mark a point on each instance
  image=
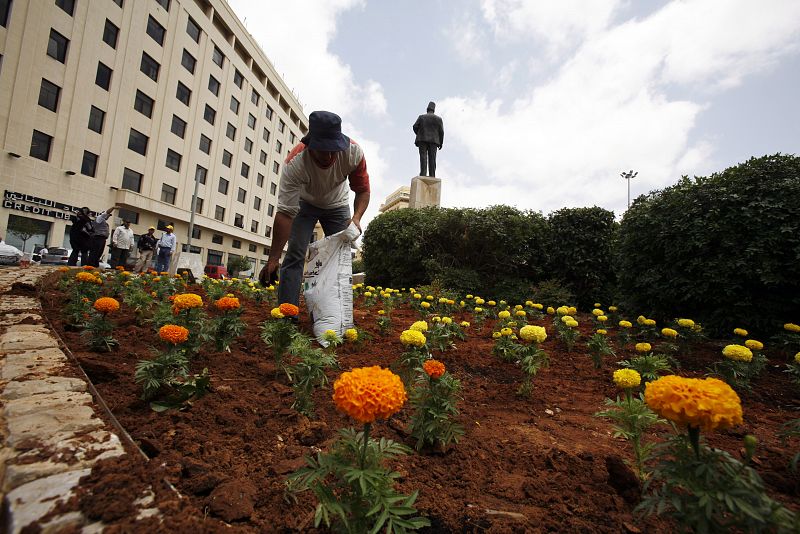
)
(694, 439)
(366, 442)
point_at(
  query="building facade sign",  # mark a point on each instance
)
(36, 205)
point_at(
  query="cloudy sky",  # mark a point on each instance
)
(545, 102)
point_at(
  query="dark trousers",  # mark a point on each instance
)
(98, 243)
(427, 159)
(119, 256)
(80, 246)
(332, 220)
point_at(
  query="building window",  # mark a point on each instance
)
(96, 119)
(118, 2)
(257, 203)
(67, 5)
(245, 170)
(263, 157)
(238, 78)
(149, 66)
(178, 126)
(173, 160)
(234, 105)
(270, 210)
(223, 186)
(57, 46)
(183, 93)
(188, 61)
(155, 30)
(168, 194)
(268, 231)
(198, 208)
(278, 147)
(48, 95)
(266, 252)
(110, 34)
(217, 56)
(241, 196)
(89, 164)
(193, 30)
(103, 77)
(251, 121)
(255, 98)
(265, 135)
(260, 180)
(216, 239)
(213, 85)
(214, 257)
(273, 188)
(281, 126)
(40, 145)
(5, 11)
(292, 138)
(219, 213)
(210, 115)
(230, 132)
(238, 221)
(205, 144)
(132, 180)
(200, 174)
(236, 243)
(269, 113)
(164, 4)
(227, 158)
(144, 104)
(137, 141)
(251, 247)
(128, 215)
(248, 146)
(276, 168)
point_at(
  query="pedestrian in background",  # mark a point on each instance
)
(100, 233)
(164, 249)
(80, 237)
(121, 245)
(146, 246)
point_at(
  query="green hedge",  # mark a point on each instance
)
(724, 249)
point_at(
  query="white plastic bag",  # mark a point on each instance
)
(328, 283)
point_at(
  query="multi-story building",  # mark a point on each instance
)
(136, 103)
(398, 199)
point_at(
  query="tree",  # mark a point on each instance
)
(24, 229)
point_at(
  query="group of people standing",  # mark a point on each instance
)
(88, 237)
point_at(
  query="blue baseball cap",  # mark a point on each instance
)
(325, 132)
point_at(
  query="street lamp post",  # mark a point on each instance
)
(630, 175)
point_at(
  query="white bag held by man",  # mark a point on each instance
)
(328, 283)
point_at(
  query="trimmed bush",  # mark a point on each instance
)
(724, 249)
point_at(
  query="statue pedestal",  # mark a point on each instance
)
(425, 191)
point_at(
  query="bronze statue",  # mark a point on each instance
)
(430, 136)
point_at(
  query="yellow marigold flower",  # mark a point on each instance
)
(551, 310)
(276, 313)
(447, 320)
(533, 333)
(737, 353)
(529, 303)
(626, 324)
(612, 309)
(520, 313)
(602, 331)
(351, 334)
(442, 300)
(506, 331)
(706, 403)
(597, 305)
(627, 378)
(566, 318)
(465, 324)
(503, 303)
(686, 323)
(381, 312)
(165, 273)
(602, 318)
(63, 269)
(153, 294)
(429, 297)
(156, 279)
(643, 347)
(231, 295)
(791, 327)
(511, 324)
(187, 300)
(419, 326)
(128, 283)
(518, 307)
(752, 344)
(562, 310)
(641, 319)
(478, 309)
(669, 332)
(425, 304)
(797, 358)
(492, 303)
(289, 310)
(125, 273)
(649, 322)
(367, 293)
(597, 312)
(330, 336)
(85, 276)
(479, 301)
(496, 335)
(469, 297)
(436, 319)
(434, 368)
(505, 314)
(462, 303)
(172, 333)
(740, 332)
(537, 306)
(573, 310)
(369, 393)
(412, 337)
(106, 305)
(572, 324)
(227, 303)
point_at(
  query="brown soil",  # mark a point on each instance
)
(546, 462)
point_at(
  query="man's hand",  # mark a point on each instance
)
(357, 222)
(269, 273)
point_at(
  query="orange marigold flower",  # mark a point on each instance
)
(106, 305)
(369, 393)
(187, 300)
(63, 269)
(119, 268)
(88, 268)
(706, 403)
(289, 310)
(173, 333)
(85, 277)
(434, 368)
(227, 303)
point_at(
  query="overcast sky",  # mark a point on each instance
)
(544, 102)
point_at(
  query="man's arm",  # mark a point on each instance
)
(360, 204)
(281, 229)
(115, 237)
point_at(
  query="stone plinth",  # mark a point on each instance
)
(425, 191)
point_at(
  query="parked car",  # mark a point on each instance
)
(9, 254)
(216, 271)
(56, 256)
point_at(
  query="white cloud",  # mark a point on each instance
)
(467, 40)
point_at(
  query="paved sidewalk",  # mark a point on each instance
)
(49, 427)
